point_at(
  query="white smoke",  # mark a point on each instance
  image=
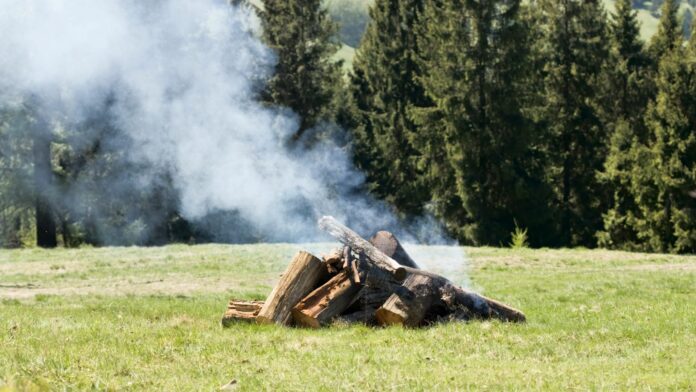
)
(183, 78)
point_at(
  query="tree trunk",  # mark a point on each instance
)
(303, 275)
(43, 183)
(326, 302)
(241, 311)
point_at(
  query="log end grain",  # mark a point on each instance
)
(390, 317)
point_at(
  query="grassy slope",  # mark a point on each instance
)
(597, 320)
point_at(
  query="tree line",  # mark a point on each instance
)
(552, 116)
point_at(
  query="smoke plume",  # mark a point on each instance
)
(177, 81)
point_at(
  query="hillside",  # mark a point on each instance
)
(352, 15)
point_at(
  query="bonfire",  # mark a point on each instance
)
(373, 282)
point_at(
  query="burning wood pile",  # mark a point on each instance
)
(375, 282)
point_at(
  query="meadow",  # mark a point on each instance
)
(149, 319)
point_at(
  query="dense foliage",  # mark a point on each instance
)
(550, 117)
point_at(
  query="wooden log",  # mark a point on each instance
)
(304, 273)
(505, 312)
(326, 302)
(346, 257)
(244, 311)
(429, 290)
(390, 246)
(334, 260)
(481, 306)
(355, 271)
(359, 245)
(409, 311)
(376, 293)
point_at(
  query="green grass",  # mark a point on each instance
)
(148, 319)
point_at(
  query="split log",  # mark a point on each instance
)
(304, 274)
(326, 302)
(359, 245)
(390, 246)
(241, 311)
(409, 311)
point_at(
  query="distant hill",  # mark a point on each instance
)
(352, 17)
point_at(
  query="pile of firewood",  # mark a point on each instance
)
(375, 282)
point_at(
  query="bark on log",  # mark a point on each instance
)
(326, 302)
(390, 246)
(359, 245)
(241, 311)
(429, 290)
(304, 274)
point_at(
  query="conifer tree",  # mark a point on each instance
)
(627, 63)
(665, 184)
(669, 32)
(303, 37)
(627, 97)
(475, 140)
(576, 51)
(383, 87)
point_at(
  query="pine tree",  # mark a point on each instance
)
(383, 87)
(627, 96)
(475, 140)
(303, 37)
(664, 186)
(669, 32)
(442, 60)
(576, 51)
(627, 64)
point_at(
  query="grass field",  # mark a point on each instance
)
(148, 319)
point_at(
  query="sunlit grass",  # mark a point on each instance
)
(597, 320)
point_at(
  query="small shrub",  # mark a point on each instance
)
(519, 238)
